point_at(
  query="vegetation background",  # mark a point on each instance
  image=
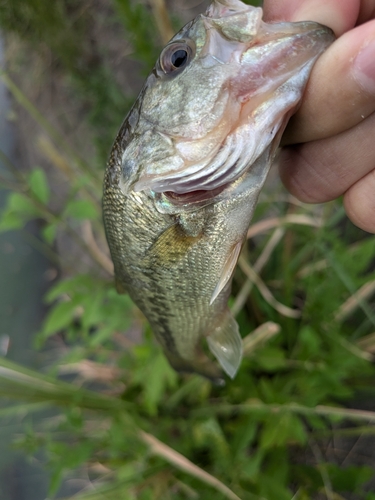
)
(103, 410)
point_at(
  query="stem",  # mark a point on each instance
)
(162, 19)
(265, 292)
(90, 241)
(173, 457)
(323, 472)
(264, 225)
(54, 156)
(258, 266)
(259, 336)
(323, 410)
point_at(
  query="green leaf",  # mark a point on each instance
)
(155, 375)
(19, 210)
(11, 221)
(69, 456)
(59, 317)
(161, 377)
(245, 434)
(309, 343)
(49, 233)
(209, 434)
(273, 490)
(349, 479)
(281, 429)
(252, 465)
(39, 185)
(55, 482)
(92, 308)
(101, 335)
(81, 209)
(270, 358)
(21, 204)
(81, 283)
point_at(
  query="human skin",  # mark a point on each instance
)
(329, 145)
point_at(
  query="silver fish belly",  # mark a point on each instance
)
(187, 167)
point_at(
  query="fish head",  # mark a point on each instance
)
(219, 95)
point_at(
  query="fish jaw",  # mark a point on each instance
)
(253, 74)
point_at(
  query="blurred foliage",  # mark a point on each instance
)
(65, 30)
(290, 393)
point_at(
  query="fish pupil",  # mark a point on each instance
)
(179, 58)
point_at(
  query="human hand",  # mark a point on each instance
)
(330, 142)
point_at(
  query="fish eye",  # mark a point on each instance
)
(179, 58)
(175, 57)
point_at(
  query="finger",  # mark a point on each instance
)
(339, 15)
(359, 202)
(323, 170)
(341, 89)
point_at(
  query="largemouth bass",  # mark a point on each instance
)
(187, 167)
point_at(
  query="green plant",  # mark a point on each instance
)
(302, 296)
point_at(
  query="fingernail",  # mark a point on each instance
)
(364, 67)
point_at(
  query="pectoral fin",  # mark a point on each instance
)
(227, 271)
(225, 343)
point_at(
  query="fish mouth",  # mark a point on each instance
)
(271, 64)
(197, 198)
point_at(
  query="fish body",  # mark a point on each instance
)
(187, 167)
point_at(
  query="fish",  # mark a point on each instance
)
(186, 169)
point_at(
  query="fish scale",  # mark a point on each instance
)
(175, 218)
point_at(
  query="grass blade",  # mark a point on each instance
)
(17, 382)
